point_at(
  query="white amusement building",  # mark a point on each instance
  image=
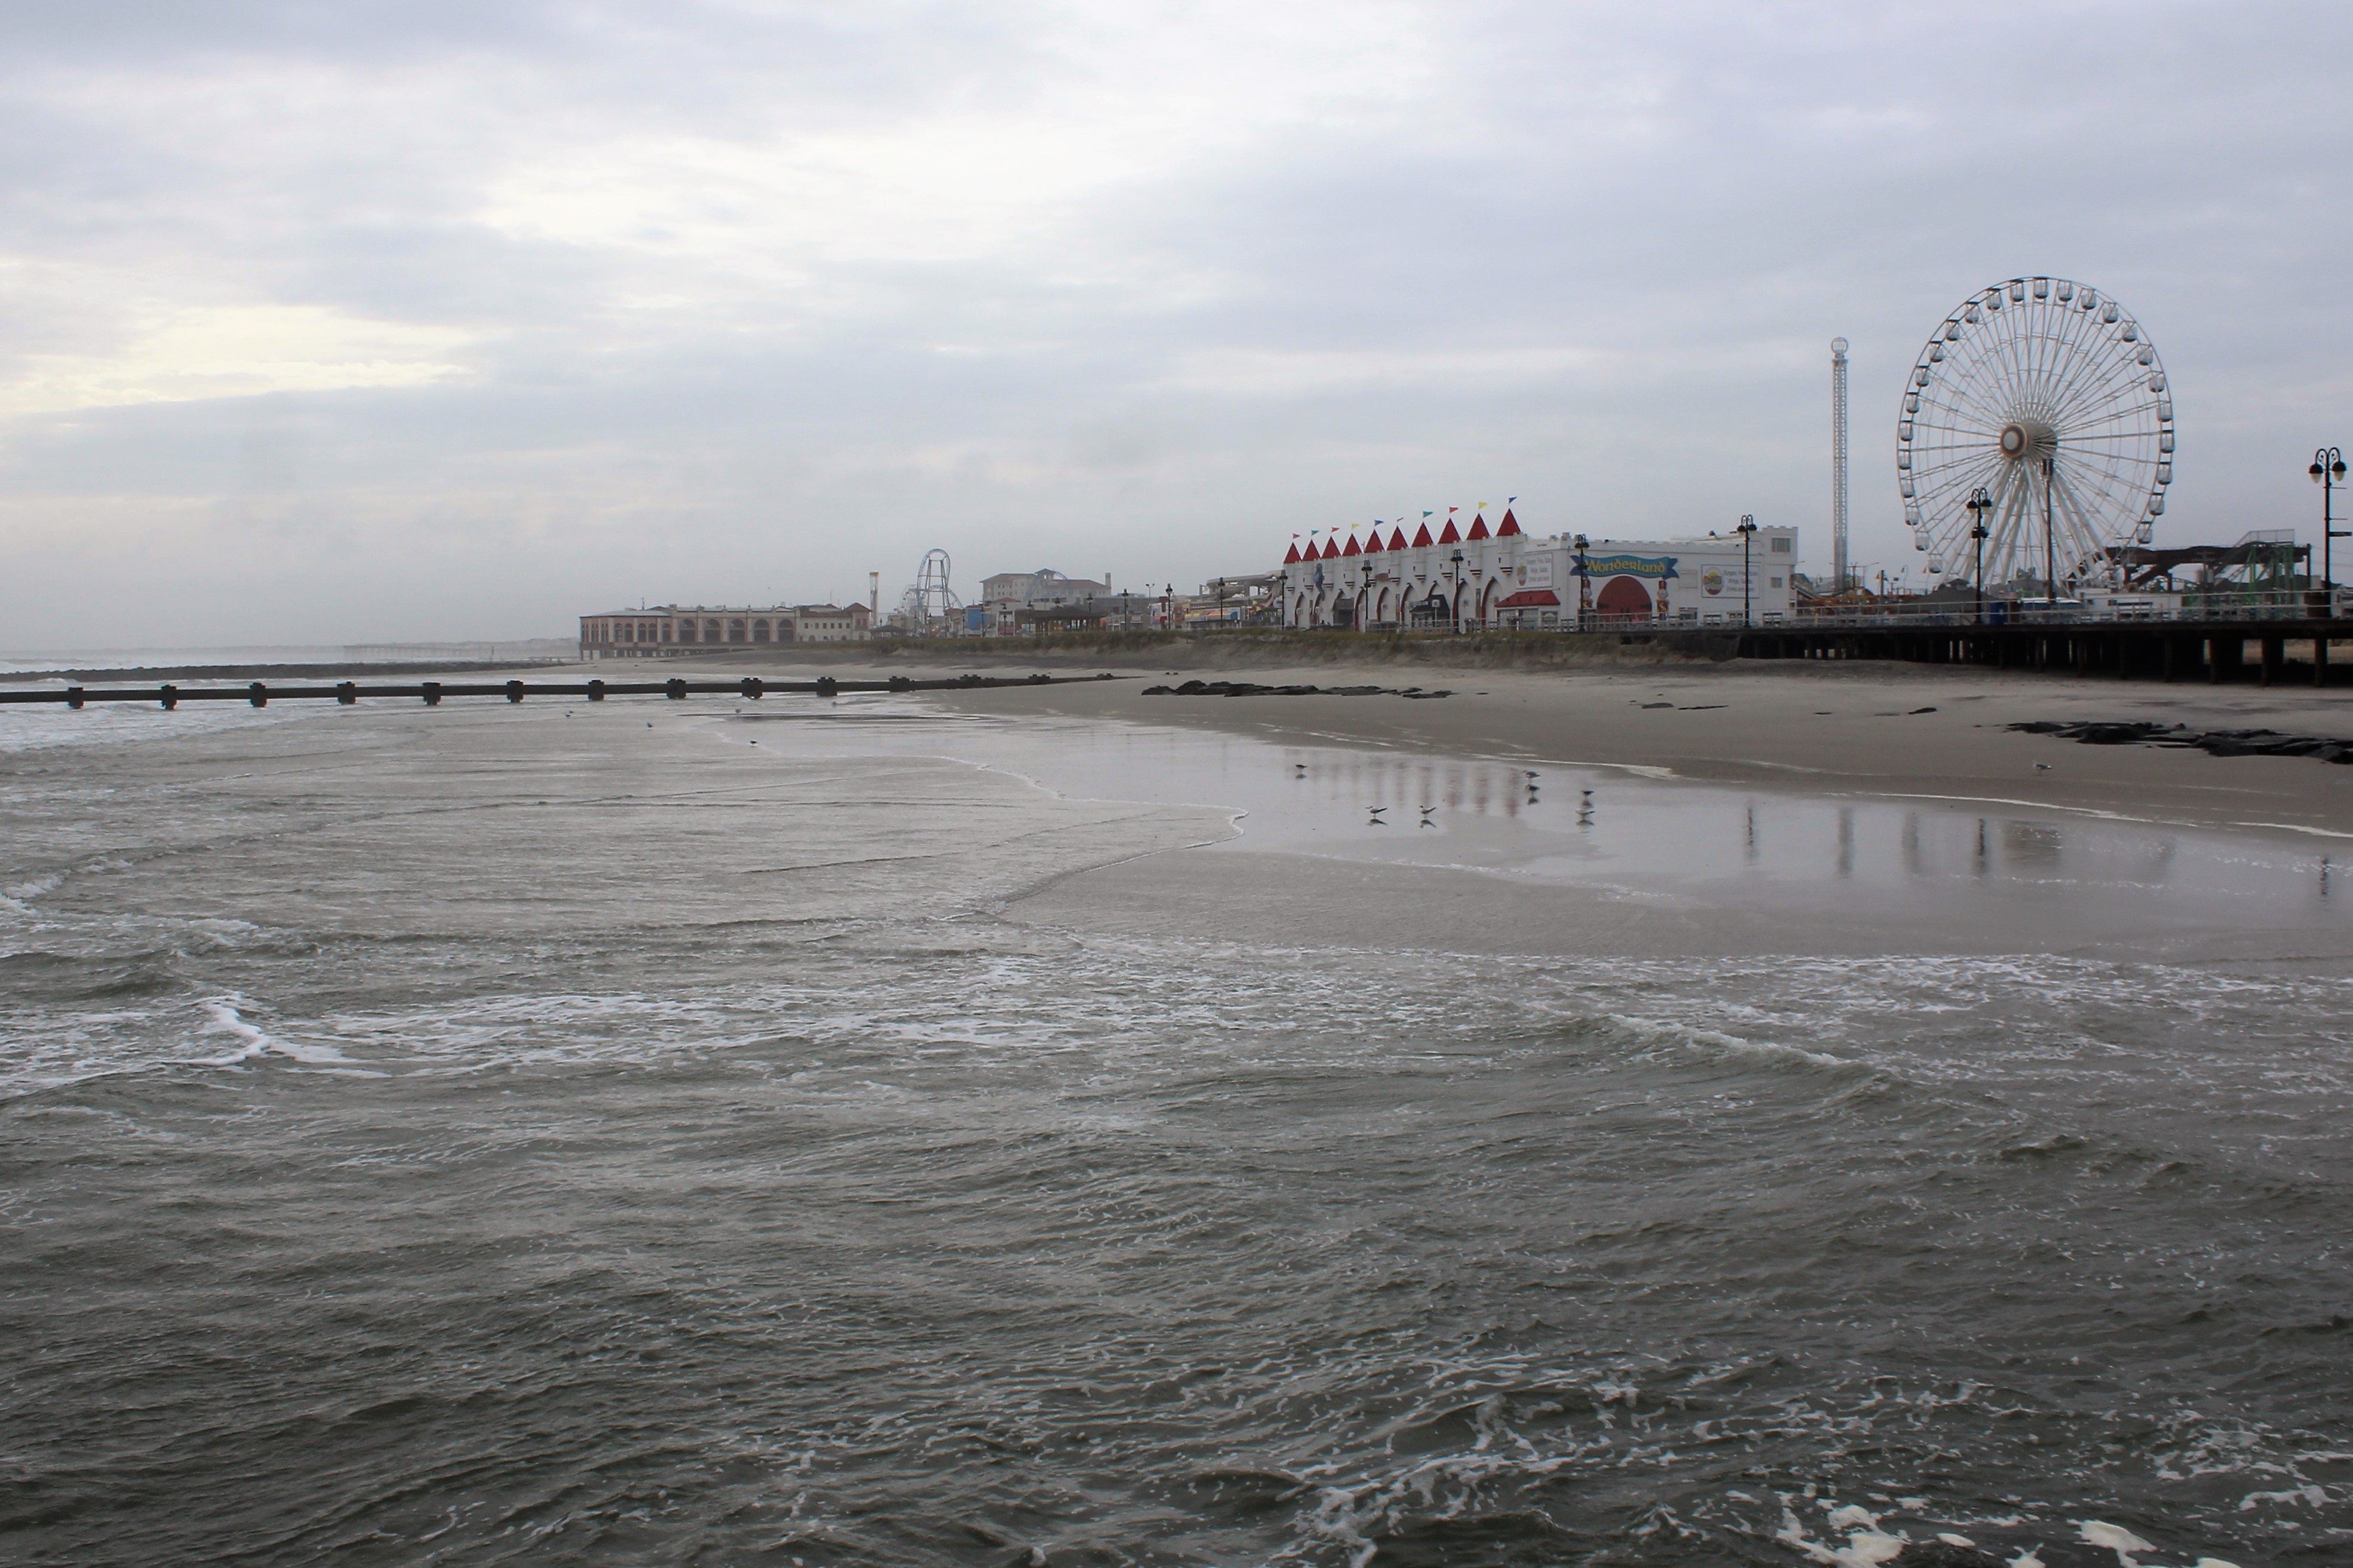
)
(1475, 579)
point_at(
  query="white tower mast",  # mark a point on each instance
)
(1838, 465)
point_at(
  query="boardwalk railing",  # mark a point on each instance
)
(2203, 607)
(260, 694)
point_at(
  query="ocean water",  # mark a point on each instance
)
(32, 660)
(646, 1134)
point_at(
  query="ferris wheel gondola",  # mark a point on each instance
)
(2046, 395)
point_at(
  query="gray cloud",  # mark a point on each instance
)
(378, 321)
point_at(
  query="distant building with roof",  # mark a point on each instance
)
(672, 630)
(1016, 603)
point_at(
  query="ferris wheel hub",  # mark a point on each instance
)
(2028, 438)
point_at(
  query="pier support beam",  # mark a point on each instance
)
(2320, 661)
(2275, 659)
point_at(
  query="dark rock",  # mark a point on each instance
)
(2214, 743)
(1252, 689)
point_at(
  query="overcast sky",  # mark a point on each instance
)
(366, 321)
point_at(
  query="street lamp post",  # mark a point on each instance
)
(1584, 582)
(2327, 471)
(2050, 545)
(1980, 503)
(1454, 580)
(1748, 531)
(1364, 596)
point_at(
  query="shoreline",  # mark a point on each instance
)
(1887, 731)
(1893, 733)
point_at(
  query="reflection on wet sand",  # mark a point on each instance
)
(1946, 872)
(1496, 816)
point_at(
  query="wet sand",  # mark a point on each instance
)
(1764, 814)
(1882, 828)
(1819, 729)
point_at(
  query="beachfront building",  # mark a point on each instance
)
(1507, 579)
(671, 630)
(1020, 603)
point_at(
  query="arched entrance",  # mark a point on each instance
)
(1344, 612)
(1623, 599)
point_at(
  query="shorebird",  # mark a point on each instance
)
(2043, 767)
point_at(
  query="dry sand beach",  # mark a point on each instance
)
(1909, 764)
(1824, 728)
(1816, 727)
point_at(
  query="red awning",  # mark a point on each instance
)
(1530, 599)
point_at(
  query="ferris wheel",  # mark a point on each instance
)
(2045, 396)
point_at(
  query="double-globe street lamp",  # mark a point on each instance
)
(2327, 471)
(1980, 503)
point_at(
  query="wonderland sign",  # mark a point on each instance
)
(1660, 567)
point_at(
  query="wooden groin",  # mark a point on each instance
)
(260, 694)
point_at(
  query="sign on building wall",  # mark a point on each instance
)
(1660, 567)
(1533, 572)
